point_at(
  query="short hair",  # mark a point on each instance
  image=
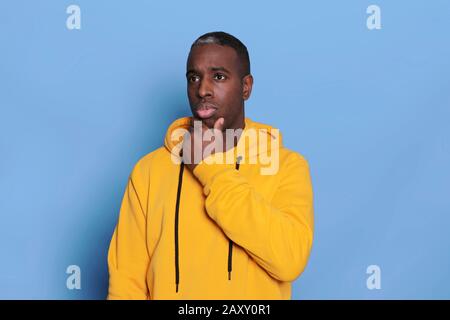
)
(225, 39)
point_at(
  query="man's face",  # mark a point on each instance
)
(215, 85)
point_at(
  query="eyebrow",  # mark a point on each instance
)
(220, 69)
(212, 69)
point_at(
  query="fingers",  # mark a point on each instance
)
(218, 125)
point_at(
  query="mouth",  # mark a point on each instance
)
(205, 110)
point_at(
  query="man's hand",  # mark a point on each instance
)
(201, 141)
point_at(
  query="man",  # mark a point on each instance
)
(223, 210)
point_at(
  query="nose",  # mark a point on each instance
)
(205, 88)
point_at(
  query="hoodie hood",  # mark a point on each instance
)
(256, 139)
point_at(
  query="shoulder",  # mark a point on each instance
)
(147, 163)
(289, 157)
(147, 160)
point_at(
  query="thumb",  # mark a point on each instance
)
(218, 125)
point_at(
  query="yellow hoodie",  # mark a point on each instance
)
(223, 231)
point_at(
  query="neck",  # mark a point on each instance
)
(238, 125)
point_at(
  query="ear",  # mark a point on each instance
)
(247, 82)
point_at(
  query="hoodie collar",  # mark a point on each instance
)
(252, 145)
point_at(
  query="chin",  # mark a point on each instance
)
(209, 122)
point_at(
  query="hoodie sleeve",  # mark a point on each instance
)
(128, 257)
(278, 234)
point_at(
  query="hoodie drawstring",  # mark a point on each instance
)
(230, 243)
(177, 210)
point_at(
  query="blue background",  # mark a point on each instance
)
(369, 110)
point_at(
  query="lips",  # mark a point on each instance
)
(205, 111)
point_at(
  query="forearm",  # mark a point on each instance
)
(277, 234)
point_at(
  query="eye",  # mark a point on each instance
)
(219, 76)
(193, 78)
